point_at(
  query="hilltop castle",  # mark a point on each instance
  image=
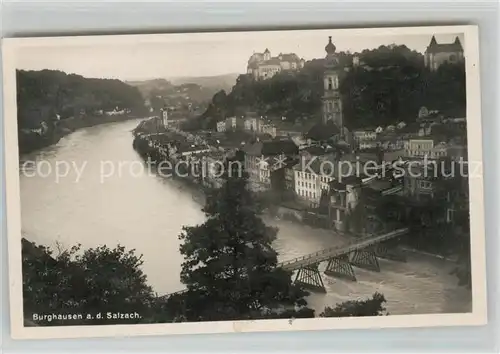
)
(263, 66)
(437, 54)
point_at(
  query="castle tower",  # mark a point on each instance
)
(267, 54)
(332, 103)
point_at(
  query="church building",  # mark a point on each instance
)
(437, 54)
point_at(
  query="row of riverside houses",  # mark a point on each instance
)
(331, 172)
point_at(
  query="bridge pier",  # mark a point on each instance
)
(365, 259)
(310, 278)
(340, 267)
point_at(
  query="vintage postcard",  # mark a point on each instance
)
(244, 181)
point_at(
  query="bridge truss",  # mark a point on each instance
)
(362, 253)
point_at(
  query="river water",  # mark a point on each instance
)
(107, 197)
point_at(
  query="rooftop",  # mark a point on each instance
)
(435, 47)
(272, 61)
(186, 147)
(271, 148)
(290, 57)
(379, 185)
(315, 150)
(321, 131)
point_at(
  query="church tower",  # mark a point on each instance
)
(332, 103)
(164, 117)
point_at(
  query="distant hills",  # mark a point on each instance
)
(181, 91)
(147, 86)
(219, 82)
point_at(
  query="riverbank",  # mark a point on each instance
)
(147, 213)
(199, 197)
(276, 209)
(30, 141)
(451, 258)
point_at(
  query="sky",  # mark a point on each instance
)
(138, 57)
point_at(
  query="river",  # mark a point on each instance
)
(106, 198)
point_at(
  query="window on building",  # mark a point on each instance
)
(449, 215)
(425, 184)
(330, 83)
(335, 82)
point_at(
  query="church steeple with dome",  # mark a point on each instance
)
(330, 47)
(332, 103)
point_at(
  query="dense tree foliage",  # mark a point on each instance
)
(373, 306)
(43, 94)
(396, 93)
(230, 268)
(97, 280)
(390, 85)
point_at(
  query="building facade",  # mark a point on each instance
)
(264, 66)
(234, 123)
(310, 186)
(251, 124)
(221, 126)
(263, 158)
(344, 196)
(419, 147)
(364, 135)
(269, 129)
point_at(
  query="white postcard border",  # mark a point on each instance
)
(478, 316)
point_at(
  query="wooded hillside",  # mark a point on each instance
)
(389, 85)
(43, 94)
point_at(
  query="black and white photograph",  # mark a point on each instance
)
(244, 181)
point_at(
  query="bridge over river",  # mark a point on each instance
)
(362, 252)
